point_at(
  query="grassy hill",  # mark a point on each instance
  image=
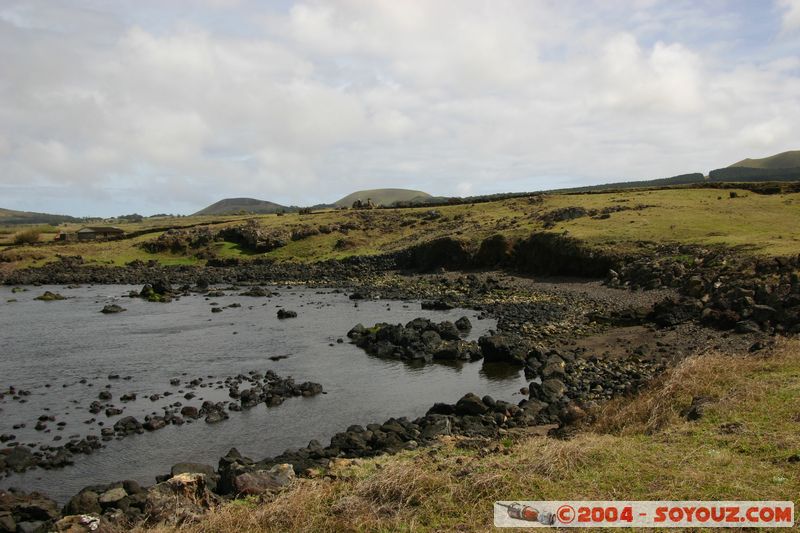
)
(384, 197)
(789, 159)
(232, 206)
(761, 224)
(11, 217)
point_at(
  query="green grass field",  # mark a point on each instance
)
(759, 224)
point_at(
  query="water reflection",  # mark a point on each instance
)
(494, 371)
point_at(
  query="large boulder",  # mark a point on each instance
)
(127, 424)
(85, 502)
(48, 296)
(502, 348)
(434, 425)
(456, 350)
(159, 290)
(256, 292)
(190, 411)
(470, 404)
(436, 305)
(162, 286)
(554, 367)
(112, 497)
(671, 312)
(26, 512)
(550, 391)
(20, 459)
(197, 468)
(261, 481)
(230, 466)
(181, 499)
(463, 324)
(419, 339)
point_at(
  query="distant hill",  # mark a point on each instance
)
(783, 160)
(683, 179)
(10, 216)
(385, 197)
(232, 206)
(748, 174)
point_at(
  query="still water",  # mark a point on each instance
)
(48, 348)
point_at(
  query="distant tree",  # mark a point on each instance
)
(134, 217)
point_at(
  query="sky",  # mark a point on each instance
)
(166, 106)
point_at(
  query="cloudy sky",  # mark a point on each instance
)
(168, 105)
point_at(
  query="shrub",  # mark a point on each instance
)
(29, 236)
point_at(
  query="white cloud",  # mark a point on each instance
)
(448, 96)
(791, 14)
(665, 78)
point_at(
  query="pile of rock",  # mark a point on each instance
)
(255, 291)
(18, 458)
(179, 498)
(26, 512)
(269, 389)
(470, 416)
(159, 290)
(419, 340)
(48, 296)
(181, 240)
(251, 236)
(217, 271)
(720, 289)
(563, 214)
(505, 348)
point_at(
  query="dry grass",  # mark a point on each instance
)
(662, 404)
(727, 379)
(28, 236)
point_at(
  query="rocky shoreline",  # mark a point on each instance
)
(723, 288)
(566, 391)
(670, 301)
(189, 489)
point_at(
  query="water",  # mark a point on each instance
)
(59, 343)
